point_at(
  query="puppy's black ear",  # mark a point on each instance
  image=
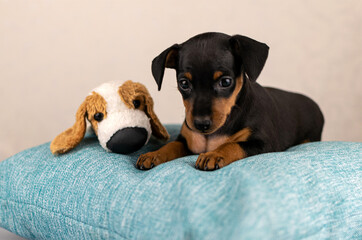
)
(250, 53)
(167, 59)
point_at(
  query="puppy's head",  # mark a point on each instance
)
(211, 69)
(121, 115)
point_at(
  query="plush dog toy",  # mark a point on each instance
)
(121, 115)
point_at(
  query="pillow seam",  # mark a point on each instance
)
(62, 214)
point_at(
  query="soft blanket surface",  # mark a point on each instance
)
(311, 191)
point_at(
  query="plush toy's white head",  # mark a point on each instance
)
(121, 129)
(121, 115)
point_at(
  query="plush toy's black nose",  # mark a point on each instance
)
(127, 140)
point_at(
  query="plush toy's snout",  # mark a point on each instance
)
(121, 115)
(128, 140)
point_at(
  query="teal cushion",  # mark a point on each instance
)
(310, 191)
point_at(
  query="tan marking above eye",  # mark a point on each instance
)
(217, 74)
(188, 75)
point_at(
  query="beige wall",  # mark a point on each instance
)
(53, 52)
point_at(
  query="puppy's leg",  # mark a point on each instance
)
(230, 152)
(170, 151)
(220, 157)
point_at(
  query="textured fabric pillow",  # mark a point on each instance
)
(310, 191)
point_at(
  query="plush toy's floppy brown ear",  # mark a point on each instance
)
(70, 138)
(158, 130)
(131, 92)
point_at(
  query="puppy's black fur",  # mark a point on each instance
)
(216, 75)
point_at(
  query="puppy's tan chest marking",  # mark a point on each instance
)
(198, 143)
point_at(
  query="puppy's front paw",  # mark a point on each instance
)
(210, 161)
(149, 160)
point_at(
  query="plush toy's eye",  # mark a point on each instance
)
(136, 103)
(98, 117)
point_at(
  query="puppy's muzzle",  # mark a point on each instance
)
(127, 140)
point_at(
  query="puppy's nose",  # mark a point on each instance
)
(202, 123)
(127, 140)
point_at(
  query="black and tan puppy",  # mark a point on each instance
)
(228, 115)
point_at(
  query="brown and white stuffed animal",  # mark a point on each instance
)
(121, 115)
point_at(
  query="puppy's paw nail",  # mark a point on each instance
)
(197, 165)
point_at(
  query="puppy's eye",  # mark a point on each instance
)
(225, 82)
(136, 103)
(98, 116)
(184, 84)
